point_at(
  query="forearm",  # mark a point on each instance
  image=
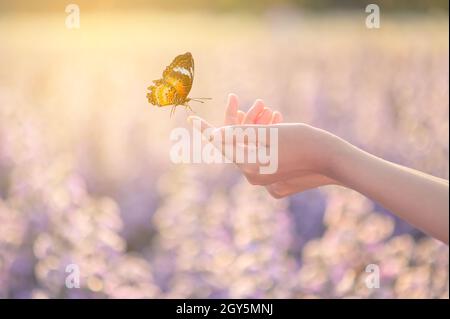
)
(418, 198)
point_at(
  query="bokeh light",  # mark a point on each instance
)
(86, 177)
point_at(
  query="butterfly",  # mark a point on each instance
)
(175, 84)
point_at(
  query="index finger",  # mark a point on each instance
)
(231, 113)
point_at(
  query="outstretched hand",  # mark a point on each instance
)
(305, 154)
(309, 157)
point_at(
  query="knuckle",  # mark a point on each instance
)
(250, 170)
(274, 193)
(277, 190)
(254, 180)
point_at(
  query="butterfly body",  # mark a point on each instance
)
(175, 85)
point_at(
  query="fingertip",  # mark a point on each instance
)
(280, 117)
(259, 103)
(231, 109)
(265, 110)
(240, 116)
(264, 117)
(233, 100)
(254, 111)
(258, 107)
(277, 117)
(232, 96)
(190, 119)
(198, 123)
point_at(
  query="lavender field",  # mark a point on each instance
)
(86, 177)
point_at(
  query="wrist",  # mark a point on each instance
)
(340, 155)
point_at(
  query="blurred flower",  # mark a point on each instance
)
(85, 176)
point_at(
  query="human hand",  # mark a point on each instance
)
(299, 168)
(309, 157)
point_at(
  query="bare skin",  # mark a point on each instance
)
(309, 157)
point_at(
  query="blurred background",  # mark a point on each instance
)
(85, 173)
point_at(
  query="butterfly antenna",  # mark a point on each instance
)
(188, 107)
(199, 99)
(172, 111)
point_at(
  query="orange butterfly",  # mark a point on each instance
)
(175, 84)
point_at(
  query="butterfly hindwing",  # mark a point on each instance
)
(162, 94)
(181, 82)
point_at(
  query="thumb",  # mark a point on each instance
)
(202, 126)
(198, 123)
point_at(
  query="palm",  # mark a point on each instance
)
(263, 115)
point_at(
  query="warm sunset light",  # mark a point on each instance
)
(94, 205)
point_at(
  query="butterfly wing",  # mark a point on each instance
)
(180, 75)
(176, 83)
(161, 94)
